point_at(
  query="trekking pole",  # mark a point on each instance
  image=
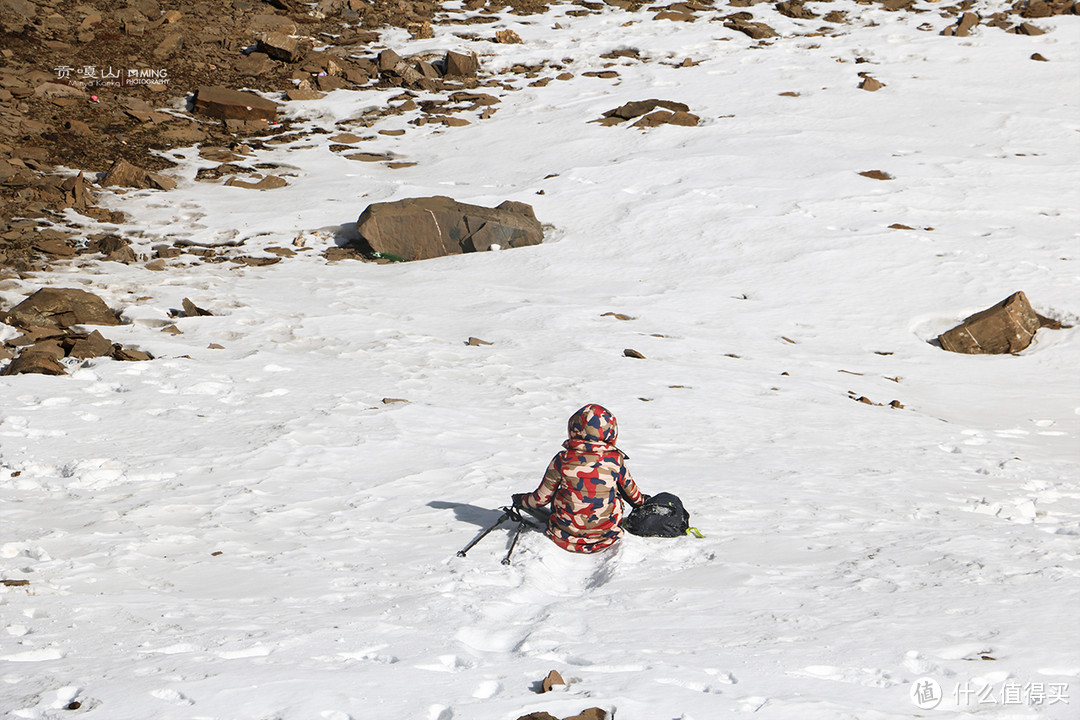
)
(502, 518)
(513, 542)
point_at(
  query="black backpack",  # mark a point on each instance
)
(662, 515)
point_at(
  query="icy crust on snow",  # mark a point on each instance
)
(248, 531)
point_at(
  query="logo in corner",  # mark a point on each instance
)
(926, 693)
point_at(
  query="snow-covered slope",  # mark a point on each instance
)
(251, 532)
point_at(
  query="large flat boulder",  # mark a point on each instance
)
(421, 228)
(226, 104)
(61, 307)
(1007, 327)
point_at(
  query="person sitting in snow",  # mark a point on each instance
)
(583, 484)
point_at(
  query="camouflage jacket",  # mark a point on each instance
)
(583, 484)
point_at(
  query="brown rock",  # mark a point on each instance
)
(169, 46)
(234, 125)
(280, 251)
(631, 353)
(113, 247)
(1007, 327)
(684, 118)
(270, 182)
(255, 63)
(1039, 57)
(282, 46)
(252, 261)
(87, 346)
(15, 14)
(61, 307)
(871, 84)
(193, 310)
(124, 255)
(47, 347)
(1028, 29)
(55, 247)
(52, 90)
(963, 26)
(593, 713)
(35, 333)
(420, 30)
(656, 117)
(508, 37)
(421, 228)
(427, 70)
(187, 135)
(303, 94)
(78, 196)
(356, 75)
(796, 9)
(876, 175)
(553, 678)
(462, 65)
(754, 30)
(1036, 9)
(674, 15)
(35, 363)
(327, 83)
(539, 715)
(77, 128)
(477, 99)
(368, 157)
(640, 107)
(226, 104)
(388, 60)
(271, 23)
(125, 174)
(475, 342)
(129, 355)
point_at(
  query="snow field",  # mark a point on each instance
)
(250, 532)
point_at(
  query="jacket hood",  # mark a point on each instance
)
(593, 424)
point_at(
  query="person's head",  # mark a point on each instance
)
(593, 423)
